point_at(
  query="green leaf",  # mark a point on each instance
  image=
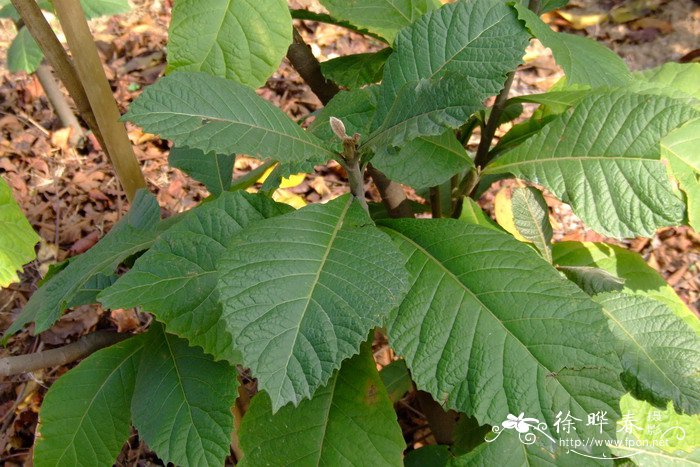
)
(350, 421)
(480, 39)
(214, 170)
(435, 455)
(96, 8)
(680, 433)
(428, 108)
(473, 214)
(510, 449)
(660, 353)
(396, 379)
(87, 294)
(241, 40)
(531, 219)
(302, 290)
(214, 114)
(176, 278)
(384, 17)
(354, 71)
(680, 76)
(607, 169)
(84, 418)
(657, 438)
(135, 232)
(17, 238)
(425, 161)
(592, 280)
(639, 277)
(182, 402)
(584, 60)
(24, 53)
(680, 148)
(488, 326)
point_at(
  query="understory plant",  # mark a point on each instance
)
(534, 352)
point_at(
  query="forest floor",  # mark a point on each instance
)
(72, 199)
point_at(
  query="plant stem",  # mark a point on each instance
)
(301, 58)
(84, 346)
(482, 153)
(435, 206)
(99, 93)
(40, 29)
(59, 103)
(356, 178)
(393, 196)
(308, 67)
(466, 186)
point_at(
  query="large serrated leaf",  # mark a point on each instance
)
(608, 169)
(215, 171)
(354, 108)
(17, 238)
(302, 290)
(176, 278)
(638, 276)
(657, 438)
(182, 401)
(480, 39)
(531, 219)
(660, 353)
(426, 161)
(384, 17)
(24, 53)
(584, 60)
(241, 40)
(354, 71)
(85, 418)
(353, 410)
(679, 434)
(680, 76)
(680, 148)
(428, 108)
(489, 327)
(135, 232)
(214, 114)
(513, 449)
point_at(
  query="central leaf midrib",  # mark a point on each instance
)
(495, 168)
(317, 276)
(468, 291)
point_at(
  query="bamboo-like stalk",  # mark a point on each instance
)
(99, 94)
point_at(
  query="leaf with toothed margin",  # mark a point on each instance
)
(352, 410)
(482, 40)
(176, 278)
(608, 169)
(301, 291)
(489, 328)
(214, 170)
(660, 353)
(209, 113)
(182, 401)
(241, 40)
(384, 17)
(84, 418)
(584, 60)
(135, 232)
(531, 219)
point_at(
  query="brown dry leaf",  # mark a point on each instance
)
(319, 185)
(126, 320)
(61, 138)
(85, 243)
(73, 323)
(665, 27)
